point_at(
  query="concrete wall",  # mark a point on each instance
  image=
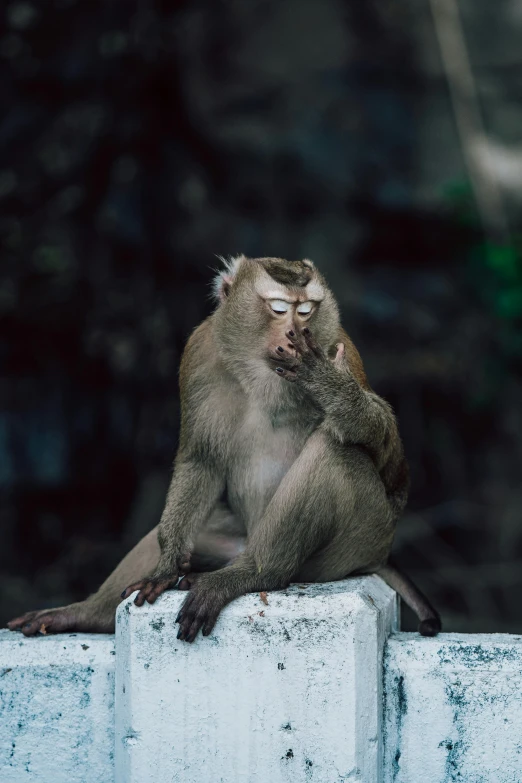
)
(453, 709)
(311, 686)
(56, 708)
(288, 691)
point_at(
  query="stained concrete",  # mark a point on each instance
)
(56, 708)
(289, 691)
(453, 709)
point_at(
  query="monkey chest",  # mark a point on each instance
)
(264, 455)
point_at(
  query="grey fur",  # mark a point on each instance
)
(309, 455)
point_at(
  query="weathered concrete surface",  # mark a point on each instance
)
(453, 709)
(285, 692)
(56, 708)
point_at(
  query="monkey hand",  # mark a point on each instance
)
(201, 607)
(309, 363)
(164, 578)
(285, 363)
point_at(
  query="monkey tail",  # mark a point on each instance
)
(430, 623)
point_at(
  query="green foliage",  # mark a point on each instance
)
(492, 272)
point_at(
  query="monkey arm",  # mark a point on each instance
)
(352, 414)
(273, 554)
(199, 471)
(194, 491)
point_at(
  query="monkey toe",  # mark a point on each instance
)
(18, 622)
(188, 629)
(196, 614)
(191, 624)
(430, 627)
(44, 622)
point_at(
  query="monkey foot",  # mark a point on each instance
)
(200, 609)
(150, 589)
(75, 617)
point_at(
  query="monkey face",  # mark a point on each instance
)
(263, 298)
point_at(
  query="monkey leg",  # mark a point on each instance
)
(97, 613)
(214, 549)
(219, 542)
(328, 518)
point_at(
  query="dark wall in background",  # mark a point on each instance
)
(139, 139)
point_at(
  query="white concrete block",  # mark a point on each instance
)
(285, 692)
(453, 709)
(56, 708)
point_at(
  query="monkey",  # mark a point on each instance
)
(290, 468)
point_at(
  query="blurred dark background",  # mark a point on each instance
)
(137, 140)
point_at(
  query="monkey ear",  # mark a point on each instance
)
(224, 279)
(224, 287)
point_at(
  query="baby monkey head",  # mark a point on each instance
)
(260, 299)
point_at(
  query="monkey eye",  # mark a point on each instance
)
(304, 308)
(279, 306)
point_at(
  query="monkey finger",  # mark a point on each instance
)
(132, 588)
(297, 341)
(284, 353)
(287, 374)
(158, 588)
(154, 589)
(288, 361)
(286, 358)
(312, 345)
(142, 595)
(153, 593)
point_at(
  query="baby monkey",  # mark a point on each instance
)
(289, 468)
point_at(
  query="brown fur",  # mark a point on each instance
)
(276, 410)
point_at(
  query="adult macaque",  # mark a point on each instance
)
(278, 417)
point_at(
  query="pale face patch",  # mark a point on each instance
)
(279, 306)
(268, 289)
